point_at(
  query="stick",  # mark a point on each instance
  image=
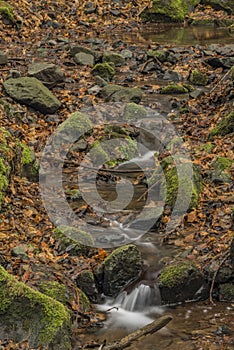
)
(225, 256)
(144, 331)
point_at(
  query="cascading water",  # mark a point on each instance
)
(140, 298)
(135, 309)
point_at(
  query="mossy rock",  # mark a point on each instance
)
(6, 11)
(120, 268)
(222, 170)
(189, 187)
(226, 292)
(169, 10)
(73, 240)
(113, 57)
(133, 112)
(59, 292)
(173, 88)
(232, 69)
(224, 127)
(7, 154)
(74, 127)
(86, 282)
(29, 314)
(31, 92)
(98, 154)
(179, 282)
(30, 164)
(117, 93)
(198, 78)
(104, 70)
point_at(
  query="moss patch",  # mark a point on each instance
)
(53, 315)
(6, 11)
(73, 128)
(224, 127)
(198, 78)
(78, 240)
(104, 70)
(173, 275)
(174, 89)
(134, 112)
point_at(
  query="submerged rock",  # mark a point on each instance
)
(28, 314)
(31, 92)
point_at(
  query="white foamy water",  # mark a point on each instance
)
(133, 310)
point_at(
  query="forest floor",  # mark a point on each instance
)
(207, 231)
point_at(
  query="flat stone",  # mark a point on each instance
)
(48, 73)
(84, 59)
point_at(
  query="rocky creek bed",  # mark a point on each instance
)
(149, 114)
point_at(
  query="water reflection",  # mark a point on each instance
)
(188, 35)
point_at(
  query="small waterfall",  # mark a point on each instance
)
(139, 299)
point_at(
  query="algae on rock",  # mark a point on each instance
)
(224, 127)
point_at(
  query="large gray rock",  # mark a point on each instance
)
(120, 268)
(31, 92)
(28, 314)
(117, 93)
(48, 73)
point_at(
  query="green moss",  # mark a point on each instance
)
(27, 155)
(84, 300)
(232, 70)
(161, 55)
(79, 240)
(134, 112)
(188, 187)
(198, 78)
(172, 275)
(54, 315)
(174, 10)
(223, 163)
(53, 289)
(98, 154)
(104, 70)
(207, 147)
(76, 125)
(73, 194)
(114, 57)
(6, 11)
(224, 127)
(173, 88)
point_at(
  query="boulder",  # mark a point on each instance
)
(222, 170)
(180, 282)
(48, 73)
(86, 282)
(133, 112)
(198, 78)
(117, 93)
(169, 10)
(120, 268)
(73, 240)
(29, 314)
(104, 70)
(173, 88)
(31, 92)
(84, 59)
(113, 57)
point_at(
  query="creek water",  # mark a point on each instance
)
(140, 304)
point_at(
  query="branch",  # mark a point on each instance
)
(144, 331)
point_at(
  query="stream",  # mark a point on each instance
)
(140, 304)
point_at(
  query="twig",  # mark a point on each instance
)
(220, 81)
(225, 256)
